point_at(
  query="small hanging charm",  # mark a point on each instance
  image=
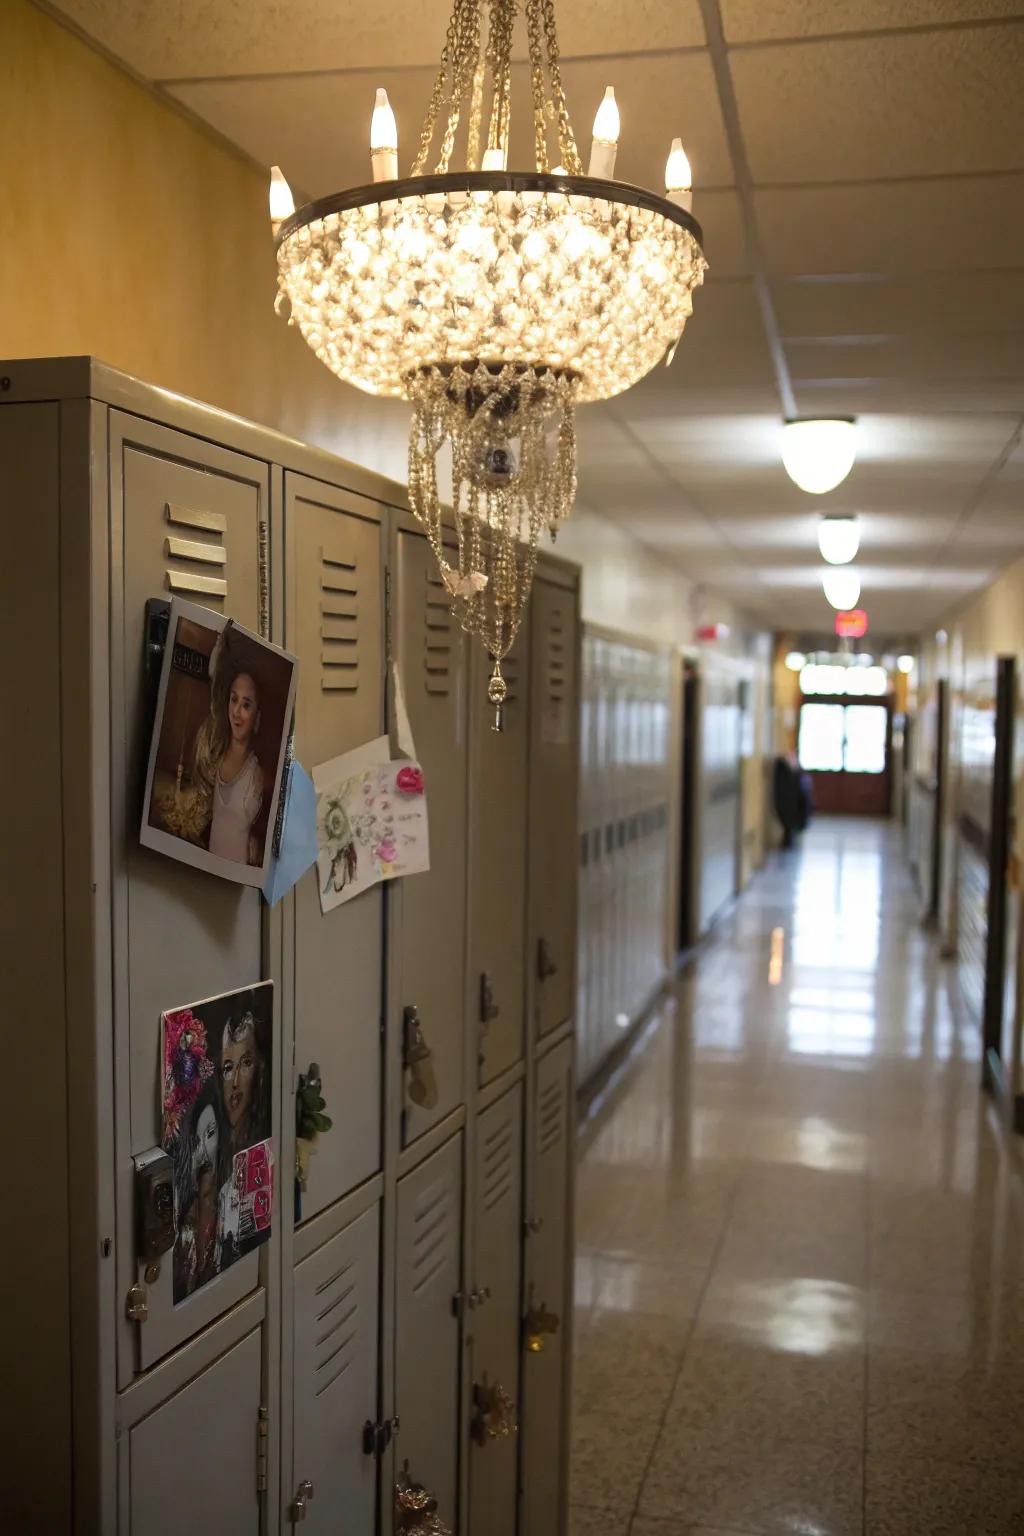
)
(497, 692)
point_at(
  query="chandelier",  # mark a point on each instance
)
(493, 300)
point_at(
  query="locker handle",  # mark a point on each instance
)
(545, 963)
(489, 1009)
(303, 1493)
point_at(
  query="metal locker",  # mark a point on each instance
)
(187, 517)
(552, 811)
(495, 1317)
(497, 871)
(335, 1383)
(431, 958)
(428, 1261)
(193, 1462)
(334, 624)
(547, 1320)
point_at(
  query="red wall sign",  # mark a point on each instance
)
(851, 624)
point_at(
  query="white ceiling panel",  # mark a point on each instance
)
(748, 21)
(176, 39)
(895, 228)
(903, 104)
(984, 301)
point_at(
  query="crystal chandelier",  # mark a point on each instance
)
(493, 300)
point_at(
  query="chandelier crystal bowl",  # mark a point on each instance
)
(495, 301)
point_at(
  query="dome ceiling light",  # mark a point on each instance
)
(842, 588)
(838, 539)
(818, 455)
(493, 300)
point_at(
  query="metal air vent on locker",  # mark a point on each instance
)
(494, 1320)
(552, 808)
(334, 624)
(178, 934)
(497, 868)
(335, 1393)
(428, 968)
(428, 1251)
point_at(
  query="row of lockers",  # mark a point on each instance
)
(624, 844)
(411, 1306)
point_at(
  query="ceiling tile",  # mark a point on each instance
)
(752, 20)
(894, 228)
(984, 302)
(909, 104)
(987, 356)
(175, 39)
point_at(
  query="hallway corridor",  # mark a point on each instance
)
(800, 1236)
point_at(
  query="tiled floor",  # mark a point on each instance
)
(800, 1270)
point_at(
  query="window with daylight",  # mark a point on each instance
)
(843, 738)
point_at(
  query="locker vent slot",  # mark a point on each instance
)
(188, 559)
(431, 1233)
(557, 669)
(552, 1116)
(337, 1317)
(437, 637)
(340, 659)
(497, 1180)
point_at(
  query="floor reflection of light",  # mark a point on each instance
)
(850, 1001)
(810, 1143)
(802, 1317)
(815, 1032)
(776, 957)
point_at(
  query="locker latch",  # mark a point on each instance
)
(494, 1413)
(537, 1324)
(489, 1009)
(377, 1437)
(303, 1493)
(417, 1058)
(545, 962)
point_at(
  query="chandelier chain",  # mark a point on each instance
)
(499, 58)
(566, 137)
(535, 37)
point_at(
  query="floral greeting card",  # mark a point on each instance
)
(371, 822)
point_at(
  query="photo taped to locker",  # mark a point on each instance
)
(216, 1096)
(217, 754)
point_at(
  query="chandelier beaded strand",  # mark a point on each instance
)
(494, 302)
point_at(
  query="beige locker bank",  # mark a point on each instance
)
(410, 1315)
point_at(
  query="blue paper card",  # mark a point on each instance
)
(298, 837)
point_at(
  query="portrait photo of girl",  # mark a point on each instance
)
(219, 744)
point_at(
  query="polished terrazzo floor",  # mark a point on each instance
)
(800, 1235)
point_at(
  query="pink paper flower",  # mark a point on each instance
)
(386, 850)
(409, 780)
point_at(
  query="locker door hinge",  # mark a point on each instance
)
(387, 612)
(262, 1434)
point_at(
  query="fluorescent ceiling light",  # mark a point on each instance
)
(905, 663)
(842, 588)
(819, 455)
(838, 539)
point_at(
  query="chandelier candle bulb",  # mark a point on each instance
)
(494, 160)
(679, 177)
(606, 137)
(282, 204)
(383, 140)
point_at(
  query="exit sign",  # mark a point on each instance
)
(851, 624)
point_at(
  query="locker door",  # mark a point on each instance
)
(432, 658)
(190, 518)
(495, 1323)
(497, 869)
(547, 1264)
(428, 1251)
(335, 627)
(335, 1382)
(192, 1462)
(552, 824)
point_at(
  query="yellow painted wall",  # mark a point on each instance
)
(132, 233)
